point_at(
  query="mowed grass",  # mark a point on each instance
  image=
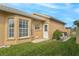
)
(47, 48)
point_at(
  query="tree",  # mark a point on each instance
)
(76, 22)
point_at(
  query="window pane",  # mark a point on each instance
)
(46, 28)
(23, 28)
(10, 28)
(37, 26)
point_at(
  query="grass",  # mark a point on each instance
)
(47, 48)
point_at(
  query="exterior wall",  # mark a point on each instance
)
(2, 29)
(43, 20)
(4, 40)
(53, 25)
(37, 34)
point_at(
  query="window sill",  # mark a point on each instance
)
(11, 38)
(24, 37)
(20, 38)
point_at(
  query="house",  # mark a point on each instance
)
(17, 26)
(52, 25)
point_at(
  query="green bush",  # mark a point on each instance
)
(57, 34)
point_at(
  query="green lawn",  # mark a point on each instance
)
(46, 48)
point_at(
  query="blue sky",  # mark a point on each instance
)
(67, 12)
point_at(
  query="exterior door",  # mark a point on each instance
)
(45, 31)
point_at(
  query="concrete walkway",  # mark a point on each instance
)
(4, 46)
(39, 40)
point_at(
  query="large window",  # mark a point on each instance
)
(23, 28)
(10, 28)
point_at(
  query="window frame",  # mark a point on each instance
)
(27, 21)
(37, 26)
(45, 27)
(10, 28)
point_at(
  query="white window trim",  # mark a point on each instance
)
(12, 38)
(24, 37)
(28, 31)
(9, 38)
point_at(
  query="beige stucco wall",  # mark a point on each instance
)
(4, 40)
(37, 34)
(2, 29)
(53, 25)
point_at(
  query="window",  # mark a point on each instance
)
(23, 28)
(10, 28)
(37, 26)
(46, 27)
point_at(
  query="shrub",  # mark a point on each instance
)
(57, 34)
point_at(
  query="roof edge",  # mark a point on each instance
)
(52, 18)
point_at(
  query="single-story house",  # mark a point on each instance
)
(17, 26)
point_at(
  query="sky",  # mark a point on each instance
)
(66, 12)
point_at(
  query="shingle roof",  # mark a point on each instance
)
(16, 11)
(52, 18)
(12, 10)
